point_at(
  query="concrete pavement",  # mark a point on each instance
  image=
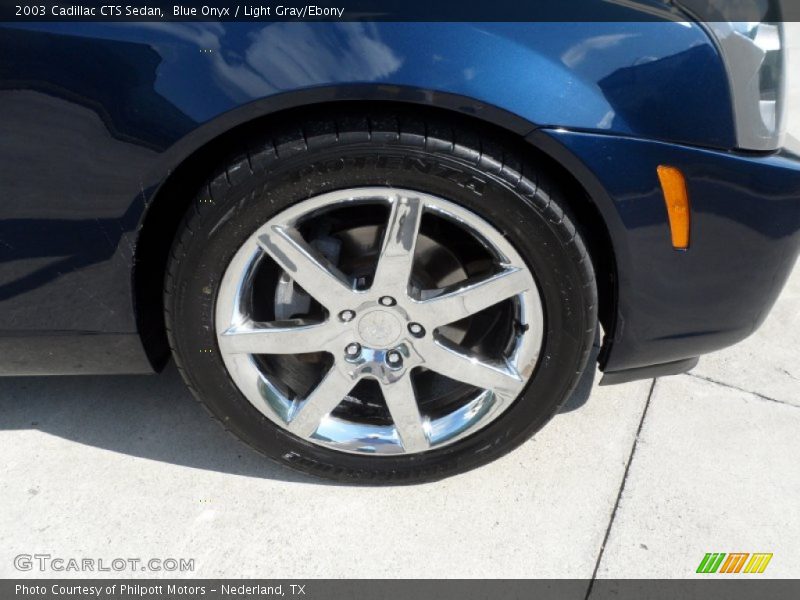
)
(634, 480)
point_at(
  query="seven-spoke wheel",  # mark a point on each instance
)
(378, 331)
(392, 299)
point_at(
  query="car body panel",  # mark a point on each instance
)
(159, 81)
(745, 235)
(97, 115)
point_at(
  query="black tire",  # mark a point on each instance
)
(457, 162)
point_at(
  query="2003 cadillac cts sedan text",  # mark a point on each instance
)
(382, 251)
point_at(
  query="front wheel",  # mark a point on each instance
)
(368, 299)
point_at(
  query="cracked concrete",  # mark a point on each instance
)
(131, 466)
(727, 481)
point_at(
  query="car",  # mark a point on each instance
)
(386, 252)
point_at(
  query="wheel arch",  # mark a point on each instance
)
(191, 162)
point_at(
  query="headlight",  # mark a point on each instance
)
(754, 59)
(753, 55)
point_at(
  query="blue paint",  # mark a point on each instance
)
(96, 115)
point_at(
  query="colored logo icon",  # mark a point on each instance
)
(734, 562)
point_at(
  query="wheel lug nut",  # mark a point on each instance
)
(416, 330)
(394, 358)
(387, 301)
(347, 315)
(352, 350)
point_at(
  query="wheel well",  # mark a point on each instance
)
(595, 234)
(168, 206)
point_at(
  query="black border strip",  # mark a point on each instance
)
(711, 587)
(399, 10)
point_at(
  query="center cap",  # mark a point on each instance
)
(380, 328)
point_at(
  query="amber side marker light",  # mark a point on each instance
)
(673, 185)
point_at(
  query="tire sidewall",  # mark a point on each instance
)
(516, 206)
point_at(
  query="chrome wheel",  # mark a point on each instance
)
(379, 321)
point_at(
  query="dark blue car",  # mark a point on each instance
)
(384, 251)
